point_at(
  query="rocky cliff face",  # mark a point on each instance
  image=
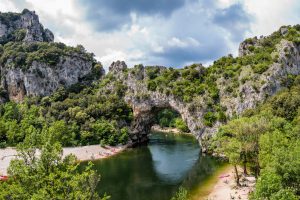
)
(30, 65)
(253, 90)
(41, 79)
(268, 83)
(24, 27)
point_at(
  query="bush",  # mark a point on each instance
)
(181, 194)
(181, 125)
(260, 68)
(209, 119)
(123, 139)
(268, 184)
(166, 118)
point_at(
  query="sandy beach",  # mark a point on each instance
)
(92, 152)
(167, 130)
(225, 188)
(221, 186)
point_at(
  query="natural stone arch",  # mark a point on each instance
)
(144, 101)
(145, 110)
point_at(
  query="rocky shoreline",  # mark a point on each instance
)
(157, 128)
(83, 153)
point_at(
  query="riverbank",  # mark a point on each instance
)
(83, 153)
(222, 186)
(157, 128)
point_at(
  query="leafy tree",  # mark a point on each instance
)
(48, 177)
(181, 125)
(268, 184)
(166, 118)
(181, 194)
(209, 118)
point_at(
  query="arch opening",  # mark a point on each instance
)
(170, 118)
(163, 116)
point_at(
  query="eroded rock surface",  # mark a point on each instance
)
(146, 103)
(24, 27)
(41, 79)
(62, 67)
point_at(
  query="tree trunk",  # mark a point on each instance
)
(245, 165)
(237, 178)
(257, 169)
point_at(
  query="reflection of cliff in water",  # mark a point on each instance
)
(153, 172)
(130, 174)
(203, 168)
(172, 160)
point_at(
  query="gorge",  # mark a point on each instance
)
(54, 93)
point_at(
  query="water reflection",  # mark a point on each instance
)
(172, 160)
(156, 171)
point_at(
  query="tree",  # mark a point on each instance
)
(232, 148)
(181, 125)
(62, 133)
(268, 184)
(246, 131)
(181, 194)
(49, 176)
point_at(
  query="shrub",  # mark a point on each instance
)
(181, 125)
(260, 68)
(209, 119)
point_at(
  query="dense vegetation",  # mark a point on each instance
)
(181, 194)
(9, 19)
(267, 141)
(79, 115)
(48, 176)
(190, 82)
(21, 55)
(171, 119)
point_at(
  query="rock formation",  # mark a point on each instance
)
(146, 103)
(19, 77)
(41, 79)
(24, 27)
(27, 72)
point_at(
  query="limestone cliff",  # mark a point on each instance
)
(24, 27)
(32, 64)
(253, 88)
(41, 79)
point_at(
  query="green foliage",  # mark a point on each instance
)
(90, 116)
(19, 34)
(267, 140)
(209, 118)
(23, 54)
(181, 125)
(260, 67)
(286, 103)
(166, 118)
(49, 176)
(170, 118)
(268, 184)
(181, 194)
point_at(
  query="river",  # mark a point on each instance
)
(156, 171)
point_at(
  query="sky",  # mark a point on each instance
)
(172, 33)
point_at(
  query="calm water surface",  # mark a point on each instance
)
(155, 171)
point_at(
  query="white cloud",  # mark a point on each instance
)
(226, 3)
(183, 43)
(148, 38)
(8, 6)
(270, 15)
